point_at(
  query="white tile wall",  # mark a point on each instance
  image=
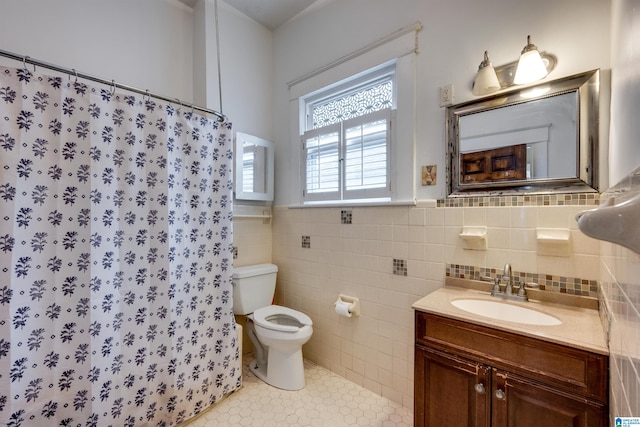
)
(375, 350)
(621, 294)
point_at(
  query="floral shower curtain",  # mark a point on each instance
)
(115, 257)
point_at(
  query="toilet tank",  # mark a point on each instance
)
(253, 287)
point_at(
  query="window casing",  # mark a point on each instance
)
(346, 150)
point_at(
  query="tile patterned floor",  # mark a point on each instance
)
(327, 400)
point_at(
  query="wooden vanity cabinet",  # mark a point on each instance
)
(470, 375)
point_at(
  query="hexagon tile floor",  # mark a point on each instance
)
(327, 400)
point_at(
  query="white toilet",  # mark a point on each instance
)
(277, 332)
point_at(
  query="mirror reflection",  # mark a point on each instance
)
(540, 138)
(254, 171)
(254, 168)
(533, 140)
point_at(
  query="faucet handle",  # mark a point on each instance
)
(496, 286)
(522, 289)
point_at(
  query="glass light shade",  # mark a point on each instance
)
(486, 80)
(530, 66)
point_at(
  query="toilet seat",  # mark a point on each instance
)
(264, 317)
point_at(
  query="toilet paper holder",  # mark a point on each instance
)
(353, 302)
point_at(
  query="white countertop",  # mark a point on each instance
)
(581, 327)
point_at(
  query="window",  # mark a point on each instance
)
(346, 148)
(379, 77)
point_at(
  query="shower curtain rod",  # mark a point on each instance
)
(112, 83)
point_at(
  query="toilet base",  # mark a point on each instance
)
(283, 370)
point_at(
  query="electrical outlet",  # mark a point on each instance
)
(446, 95)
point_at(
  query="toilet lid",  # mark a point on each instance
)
(263, 315)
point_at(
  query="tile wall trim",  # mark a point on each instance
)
(547, 282)
(568, 199)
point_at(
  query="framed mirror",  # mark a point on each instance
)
(541, 138)
(254, 168)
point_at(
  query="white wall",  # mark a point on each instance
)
(625, 126)
(455, 35)
(246, 70)
(246, 59)
(143, 43)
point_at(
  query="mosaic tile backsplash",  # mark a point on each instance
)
(547, 282)
(577, 199)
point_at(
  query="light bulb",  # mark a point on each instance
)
(530, 66)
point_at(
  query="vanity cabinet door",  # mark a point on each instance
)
(471, 375)
(518, 402)
(450, 391)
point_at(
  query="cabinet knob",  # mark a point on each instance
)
(479, 388)
(500, 395)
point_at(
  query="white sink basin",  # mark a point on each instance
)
(503, 311)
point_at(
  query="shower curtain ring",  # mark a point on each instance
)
(24, 64)
(147, 94)
(75, 73)
(113, 87)
(180, 103)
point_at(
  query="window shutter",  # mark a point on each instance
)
(321, 163)
(366, 153)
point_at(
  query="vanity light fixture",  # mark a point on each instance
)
(530, 66)
(486, 80)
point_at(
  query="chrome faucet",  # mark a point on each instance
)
(507, 277)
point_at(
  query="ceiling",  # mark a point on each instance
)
(270, 13)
